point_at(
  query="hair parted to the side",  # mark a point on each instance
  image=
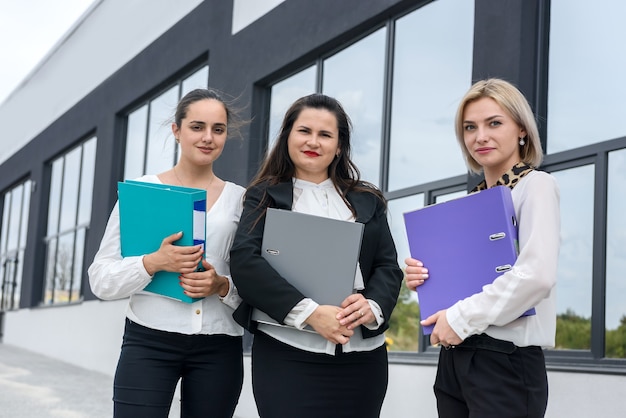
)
(233, 119)
(515, 104)
(278, 166)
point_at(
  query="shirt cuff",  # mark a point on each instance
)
(457, 323)
(379, 319)
(300, 313)
(232, 298)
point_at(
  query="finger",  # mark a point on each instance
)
(207, 266)
(195, 250)
(351, 299)
(413, 262)
(171, 238)
(430, 320)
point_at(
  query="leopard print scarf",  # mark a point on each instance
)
(509, 179)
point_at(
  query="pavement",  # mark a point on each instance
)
(35, 386)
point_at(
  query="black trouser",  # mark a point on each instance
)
(292, 383)
(151, 363)
(484, 377)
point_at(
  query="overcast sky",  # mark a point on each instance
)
(28, 30)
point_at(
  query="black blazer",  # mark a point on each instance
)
(260, 286)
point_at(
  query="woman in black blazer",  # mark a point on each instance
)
(341, 370)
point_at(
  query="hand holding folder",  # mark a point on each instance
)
(465, 243)
(291, 240)
(149, 212)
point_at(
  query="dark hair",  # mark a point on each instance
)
(345, 176)
(233, 119)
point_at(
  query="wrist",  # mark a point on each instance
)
(148, 264)
(224, 288)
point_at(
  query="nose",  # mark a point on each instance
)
(208, 136)
(313, 141)
(481, 135)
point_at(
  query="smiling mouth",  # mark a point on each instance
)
(311, 153)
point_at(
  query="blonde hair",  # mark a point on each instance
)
(515, 104)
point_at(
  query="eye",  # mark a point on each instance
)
(469, 127)
(219, 130)
(495, 123)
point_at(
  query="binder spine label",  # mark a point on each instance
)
(199, 222)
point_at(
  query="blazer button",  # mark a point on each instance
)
(197, 311)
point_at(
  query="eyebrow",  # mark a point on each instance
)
(199, 122)
(490, 118)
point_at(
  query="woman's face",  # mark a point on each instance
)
(313, 143)
(491, 136)
(202, 133)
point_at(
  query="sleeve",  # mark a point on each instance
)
(232, 298)
(257, 282)
(385, 276)
(112, 276)
(534, 274)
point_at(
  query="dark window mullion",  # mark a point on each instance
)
(598, 288)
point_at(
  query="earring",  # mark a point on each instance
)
(177, 140)
(522, 141)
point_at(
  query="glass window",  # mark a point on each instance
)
(395, 215)
(450, 196)
(137, 127)
(404, 322)
(150, 146)
(586, 75)
(355, 77)
(616, 256)
(69, 211)
(161, 143)
(198, 80)
(432, 68)
(69, 193)
(576, 258)
(12, 244)
(283, 95)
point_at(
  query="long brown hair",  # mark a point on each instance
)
(278, 166)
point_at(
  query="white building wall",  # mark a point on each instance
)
(110, 35)
(247, 11)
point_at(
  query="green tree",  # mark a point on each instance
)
(404, 323)
(573, 331)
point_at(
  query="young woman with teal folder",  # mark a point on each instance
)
(166, 340)
(493, 363)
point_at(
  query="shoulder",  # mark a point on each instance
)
(537, 181)
(367, 193)
(537, 189)
(366, 202)
(234, 189)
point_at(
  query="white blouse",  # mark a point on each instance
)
(530, 283)
(322, 200)
(112, 276)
